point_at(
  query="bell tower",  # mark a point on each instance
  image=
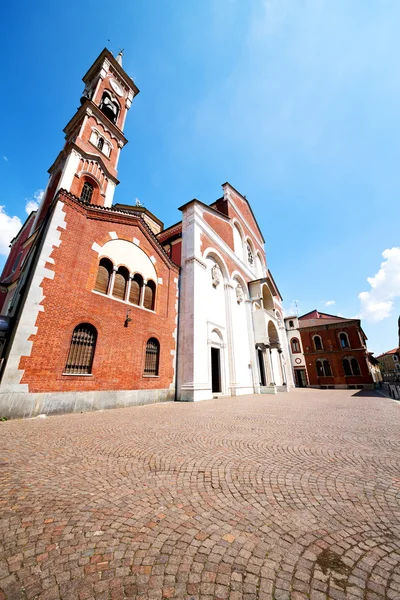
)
(87, 165)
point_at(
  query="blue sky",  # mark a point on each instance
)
(294, 102)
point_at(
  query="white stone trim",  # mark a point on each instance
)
(113, 235)
(21, 345)
(96, 247)
(136, 241)
(153, 260)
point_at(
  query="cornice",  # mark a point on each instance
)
(340, 325)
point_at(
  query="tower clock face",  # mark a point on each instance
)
(116, 87)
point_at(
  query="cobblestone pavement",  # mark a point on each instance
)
(287, 497)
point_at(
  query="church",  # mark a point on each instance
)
(103, 307)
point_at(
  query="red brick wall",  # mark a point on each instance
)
(176, 253)
(248, 219)
(69, 300)
(221, 227)
(17, 249)
(334, 354)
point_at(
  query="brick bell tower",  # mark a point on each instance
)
(87, 165)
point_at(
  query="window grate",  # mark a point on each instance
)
(87, 192)
(81, 352)
(152, 357)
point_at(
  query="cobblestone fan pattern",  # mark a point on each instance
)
(287, 497)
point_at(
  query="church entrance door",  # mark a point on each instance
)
(215, 370)
(261, 366)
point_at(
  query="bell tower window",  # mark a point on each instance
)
(100, 143)
(87, 192)
(109, 107)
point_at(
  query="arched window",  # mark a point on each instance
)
(318, 342)
(136, 289)
(250, 255)
(238, 241)
(355, 367)
(259, 266)
(344, 340)
(347, 367)
(351, 367)
(323, 368)
(295, 345)
(104, 273)
(120, 282)
(109, 107)
(100, 143)
(327, 368)
(87, 192)
(291, 324)
(149, 295)
(16, 262)
(152, 357)
(81, 351)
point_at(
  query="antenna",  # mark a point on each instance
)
(297, 307)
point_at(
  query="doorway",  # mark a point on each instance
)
(215, 370)
(301, 379)
(261, 365)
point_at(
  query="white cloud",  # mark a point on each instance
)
(330, 303)
(5, 158)
(33, 204)
(9, 227)
(377, 304)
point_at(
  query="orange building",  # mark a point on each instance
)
(334, 349)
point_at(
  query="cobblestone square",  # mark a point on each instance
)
(287, 497)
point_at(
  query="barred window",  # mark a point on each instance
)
(87, 192)
(81, 352)
(152, 357)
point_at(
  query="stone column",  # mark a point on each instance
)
(141, 294)
(252, 345)
(272, 365)
(128, 288)
(282, 366)
(111, 282)
(268, 365)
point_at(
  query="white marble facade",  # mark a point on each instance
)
(232, 340)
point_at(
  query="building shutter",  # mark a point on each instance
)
(103, 276)
(134, 295)
(119, 286)
(148, 301)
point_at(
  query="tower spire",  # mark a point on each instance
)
(119, 57)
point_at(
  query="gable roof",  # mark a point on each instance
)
(391, 352)
(248, 204)
(319, 319)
